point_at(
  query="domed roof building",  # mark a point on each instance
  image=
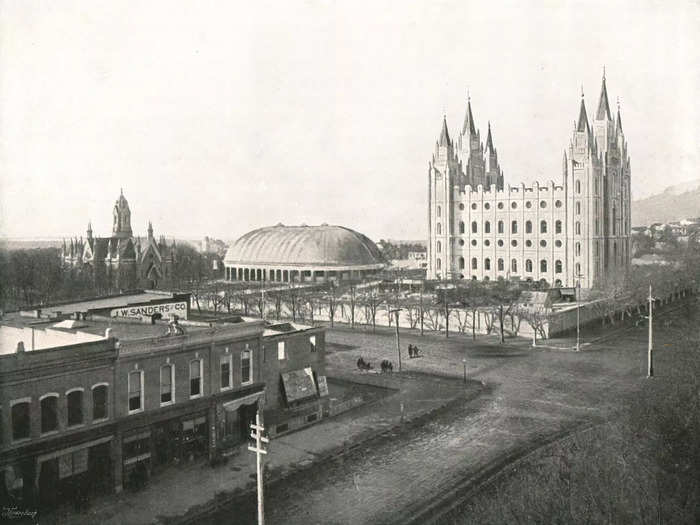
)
(302, 254)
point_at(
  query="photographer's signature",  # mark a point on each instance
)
(15, 513)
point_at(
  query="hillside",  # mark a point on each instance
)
(676, 202)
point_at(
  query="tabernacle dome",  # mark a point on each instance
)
(302, 254)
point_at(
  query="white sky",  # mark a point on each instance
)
(219, 117)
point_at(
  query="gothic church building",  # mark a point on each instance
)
(575, 230)
(121, 261)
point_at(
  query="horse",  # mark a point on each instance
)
(363, 365)
(387, 366)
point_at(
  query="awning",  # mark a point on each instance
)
(231, 406)
(299, 384)
(70, 450)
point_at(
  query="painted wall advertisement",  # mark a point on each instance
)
(139, 312)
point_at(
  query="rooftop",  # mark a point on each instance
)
(115, 301)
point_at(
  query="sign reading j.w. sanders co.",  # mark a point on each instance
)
(165, 310)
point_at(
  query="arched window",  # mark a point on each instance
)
(514, 265)
(557, 267)
(474, 227)
(578, 248)
(487, 227)
(500, 265)
(461, 263)
(487, 264)
(75, 407)
(514, 227)
(578, 269)
(528, 266)
(543, 226)
(438, 247)
(557, 227)
(439, 211)
(474, 263)
(543, 266)
(49, 413)
(578, 228)
(99, 402)
(20, 420)
(578, 207)
(500, 226)
(578, 186)
(439, 228)
(437, 264)
(528, 227)
(461, 226)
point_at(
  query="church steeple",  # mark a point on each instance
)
(150, 230)
(582, 116)
(89, 230)
(603, 112)
(618, 122)
(121, 226)
(469, 119)
(444, 134)
(489, 140)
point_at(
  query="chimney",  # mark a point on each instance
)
(20, 347)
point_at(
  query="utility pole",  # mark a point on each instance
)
(422, 285)
(396, 311)
(650, 363)
(256, 434)
(578, 313)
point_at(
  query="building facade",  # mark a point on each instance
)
(575, 230)
(121, 261)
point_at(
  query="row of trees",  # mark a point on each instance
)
(39, 275)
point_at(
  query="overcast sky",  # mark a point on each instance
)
(219, 117)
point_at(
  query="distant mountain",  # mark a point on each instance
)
(676, 202)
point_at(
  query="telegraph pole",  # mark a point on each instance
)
(256, 434)
(650, 363)
(396, 311)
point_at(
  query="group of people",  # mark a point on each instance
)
(413, 351)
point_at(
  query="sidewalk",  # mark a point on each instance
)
(177, 490)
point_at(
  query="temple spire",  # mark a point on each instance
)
(618, 123)
(469, 118)
(444, 134)
(489, 140)
(603, 112)
(582, 116)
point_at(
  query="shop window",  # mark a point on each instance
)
(312, 343)
(99, 402)
(49, 413)
(135, 391)
(75, 407)
(167, 383)
(196, 378)
(282, 352)
(246, 367)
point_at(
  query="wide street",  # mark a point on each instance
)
(532, 396)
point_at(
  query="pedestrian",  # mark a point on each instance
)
(410, 351)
